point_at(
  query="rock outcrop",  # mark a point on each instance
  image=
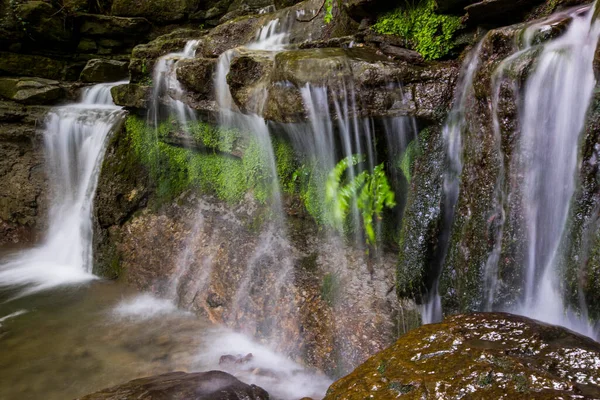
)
(479, 356)
(212, 385)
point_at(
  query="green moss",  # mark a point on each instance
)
(408, 157)
(224, 140)
(423, 29)
(175, 169)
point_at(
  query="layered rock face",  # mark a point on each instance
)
(480, 356)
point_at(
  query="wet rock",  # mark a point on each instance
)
(31, 90)
(144, 56)
(128, 243)
(239, 359)
(102, 70)
(22, 179)
(422, 220)
(212, 385)
(131, 95)
(196, 75)
(479, 356)
(400, 53)
(427, 90)
(499, 12)
(231, 34)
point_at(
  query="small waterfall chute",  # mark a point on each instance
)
(75, 138)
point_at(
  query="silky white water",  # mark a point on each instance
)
(168, 89)
(556, 99)
(75, 138)
(431, 310)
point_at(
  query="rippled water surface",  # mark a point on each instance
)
(76, 340)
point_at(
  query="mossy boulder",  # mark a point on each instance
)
(212, 385)
(103, 70)
(31, 90)
(483, 356)
(144, 56)
(196, 75)
(131, 95)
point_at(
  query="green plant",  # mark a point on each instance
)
(408, 157)
(422, 28)
(328, 11)
(370, 190)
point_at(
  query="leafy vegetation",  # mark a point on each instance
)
(176, 169)
(370, 191)
(422, 28)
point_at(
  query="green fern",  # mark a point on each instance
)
(371, 192)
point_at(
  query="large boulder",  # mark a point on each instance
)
(102, 70)
(131, 95)
(31, 90)
(482, 356)
(212, 385)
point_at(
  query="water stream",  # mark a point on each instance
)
(75, 138)
(556, 99)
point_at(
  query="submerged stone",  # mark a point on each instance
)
(212, 385)
(483, 356)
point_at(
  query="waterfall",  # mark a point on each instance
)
(167, 86)
(452, 132)
(75, 138)
(556, 99)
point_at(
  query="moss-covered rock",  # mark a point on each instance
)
(196, 75)
(422, 220)
(144, 56)
(17, 64)
(131, 95)
(102, 70)
(31, 90)
(483, 356)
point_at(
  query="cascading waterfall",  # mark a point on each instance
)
(75, 138)
(452, 132)
(167, 86)
(272, 37)
(556, 99)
